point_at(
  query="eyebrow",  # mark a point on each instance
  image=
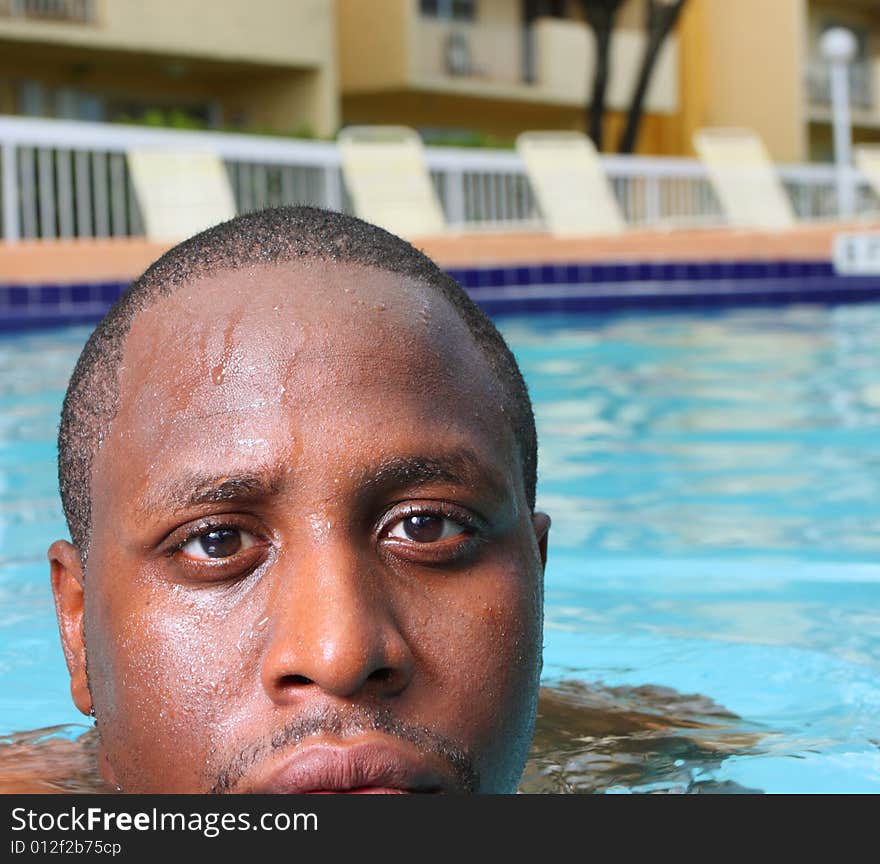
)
(459, 467)
(197, 489)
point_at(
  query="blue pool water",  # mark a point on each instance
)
(714, 481)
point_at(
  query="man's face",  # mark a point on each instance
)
(312, 562)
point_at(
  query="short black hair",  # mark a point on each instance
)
(274, 236)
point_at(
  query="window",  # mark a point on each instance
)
(457, 10)
(81, 11)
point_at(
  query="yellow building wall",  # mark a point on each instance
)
(372, 43)
(501, 13)
(283, 103)
(120, 76)
(631, 14)
(495, 118)
(265, 31)
(743, 64)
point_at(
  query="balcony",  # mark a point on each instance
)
(455, 49)
(861, 84)
(73, 11)
(549, 62)
(500, 62)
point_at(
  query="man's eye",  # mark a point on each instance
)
(425, 528)
(218, 543)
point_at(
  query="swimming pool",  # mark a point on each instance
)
(714, 575)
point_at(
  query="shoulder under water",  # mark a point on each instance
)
(588, 738)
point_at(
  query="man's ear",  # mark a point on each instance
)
(541, 524)
(67, 586)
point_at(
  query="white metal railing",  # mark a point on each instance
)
(64, 179)
(70, 179)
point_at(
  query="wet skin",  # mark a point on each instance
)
(312, 565)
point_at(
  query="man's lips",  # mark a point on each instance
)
(357, 768)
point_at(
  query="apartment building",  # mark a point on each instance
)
(262, 64)
(500, 66)
(450, 68)
(446, 67)
(497, 66)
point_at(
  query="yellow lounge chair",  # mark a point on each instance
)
(573, 193)
(744, 178)
(389, 183)
(180, 193)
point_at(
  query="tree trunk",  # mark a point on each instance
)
(600, 16)
(596, 112)
(661, 19)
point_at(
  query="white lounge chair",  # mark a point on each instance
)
(744, 178)
(388, 180)
(180, 193)
(573, 193)
(867, 160)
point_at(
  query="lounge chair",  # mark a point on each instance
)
(180, 193)
(744, 178)
(867, 160)
(388, 181)
(573, 193)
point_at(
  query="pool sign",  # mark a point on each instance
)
(857, 254)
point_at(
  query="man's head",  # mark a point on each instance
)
(298, 465)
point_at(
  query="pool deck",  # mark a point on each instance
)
(717, 244)
(40, 262)
(76, 280)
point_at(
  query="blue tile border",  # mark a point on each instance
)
(592, 286)
(26, 307)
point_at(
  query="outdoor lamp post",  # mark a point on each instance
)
(838, 46)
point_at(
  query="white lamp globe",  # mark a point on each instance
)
(838, 45)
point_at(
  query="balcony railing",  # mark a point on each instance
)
(861, 83)
(76, 11)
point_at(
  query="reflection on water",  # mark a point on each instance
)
(52, 760)
(587, 739)
(634, 739)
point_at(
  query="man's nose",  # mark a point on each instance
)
(332, 630)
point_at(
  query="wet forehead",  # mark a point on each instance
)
(278, 310)
(241, 363)
(217, 342)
